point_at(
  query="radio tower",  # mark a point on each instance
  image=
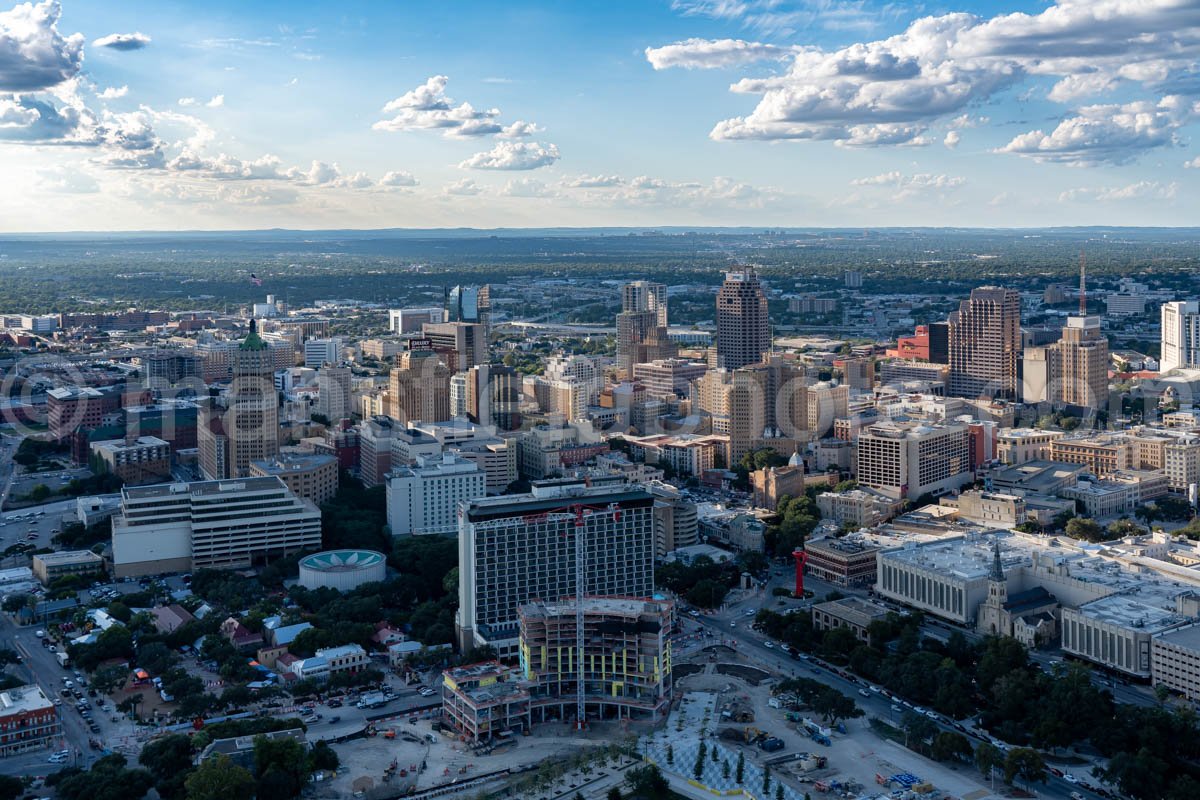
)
(1082, 284)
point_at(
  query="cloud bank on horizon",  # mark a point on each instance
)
(749, 111)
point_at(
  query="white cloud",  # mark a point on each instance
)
(513, 156)
(713, 53)
(15, 115)
(1113, 134)
(216, 102)
(113, 92)
(462, 188)
(594, 182)
(1193, 164)
(123, 41)
(397, 179)
(527, 187)
(428, 108)
(34, 56)
(890, 91)
(907, 186)
(188, 102)
(1141, 190)
(520, 130)
(952, 139)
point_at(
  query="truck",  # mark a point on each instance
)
(372, 700)
(64, 660)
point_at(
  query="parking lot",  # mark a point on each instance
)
(23, 483)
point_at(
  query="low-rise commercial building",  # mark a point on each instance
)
(49, 566)
(134, 459)
(861, 507)
(1116, 631)
(1175, 660)
(27, 720)
(846, 562)
(1120, 494)
(330, 661)
(990, 509)
(852, 613)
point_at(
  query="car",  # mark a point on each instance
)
(335, 703)
(768, 645)
(733, 624)
(874, 688)
(1069, 778)
(896, 709)
(864, 693)
(58, 701)
(693, 613)
(334, 719)
(40, 634)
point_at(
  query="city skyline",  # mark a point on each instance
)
(674, 112)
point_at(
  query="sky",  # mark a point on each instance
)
(231, 115)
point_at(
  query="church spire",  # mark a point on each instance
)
(997, 572)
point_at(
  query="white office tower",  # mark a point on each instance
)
(318, 352)
(1180, 335)
(517, 548)
(580, 367)
(178, 527)
(425, 497)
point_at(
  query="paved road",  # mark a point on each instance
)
(753, 646)
(40, 666)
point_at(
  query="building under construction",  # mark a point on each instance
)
(626, 663)
(485, 702)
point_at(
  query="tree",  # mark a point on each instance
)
(281, 767)
(766, 778)
(670, 754)
(169, 760)
(725, 770)
(614, 793)
(108, 779)
(740, 773)
(707, 594)
(987, 758)
(698, 767)
(219, 779)
(779, 791)
(1124, 527)
(1086, 529)
(1024, 763)
(322, 756)
(648, 781)
(949, 745)
(10, 787)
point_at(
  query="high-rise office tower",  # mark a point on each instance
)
(461, 345)
(419, 388)
(334, 399)
(985, 343)
(252, 418)
(493, 396)
(743, 328)
(643, 310)
(646, 296)
(1082, 368)
(516, 548)
(470, 304)
(633, 327)
(1180, 335)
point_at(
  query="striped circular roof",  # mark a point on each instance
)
(342, 560)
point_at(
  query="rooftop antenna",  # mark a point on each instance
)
(1082, 283)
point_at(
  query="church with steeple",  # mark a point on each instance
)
(1027, 616)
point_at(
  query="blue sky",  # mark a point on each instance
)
(162, 115)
